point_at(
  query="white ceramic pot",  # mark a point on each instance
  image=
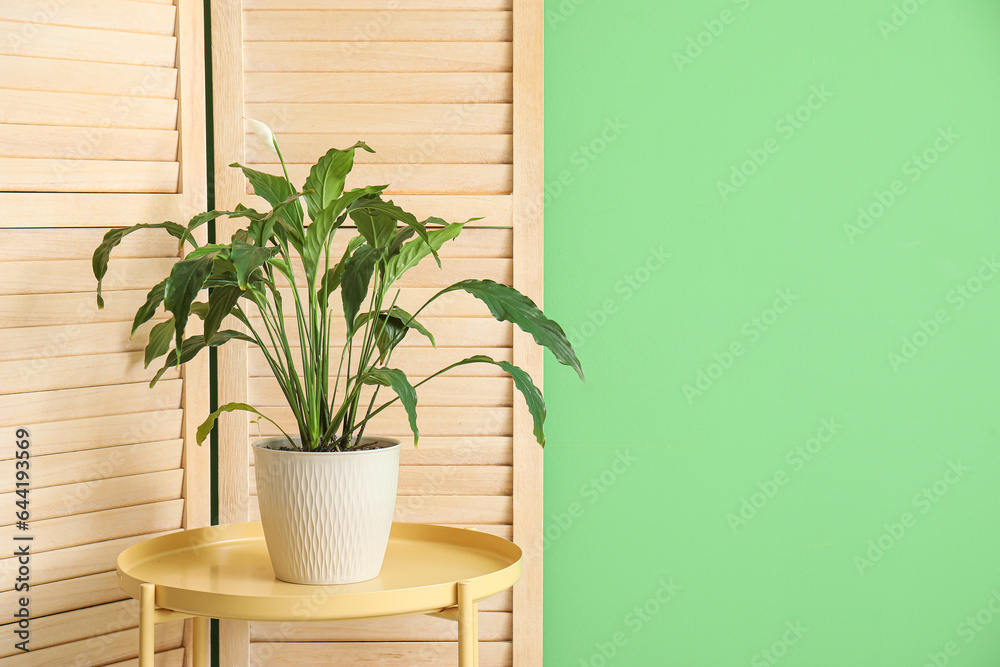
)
(326, 515)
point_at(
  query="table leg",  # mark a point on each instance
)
(468, 627)
(147, 595)
(199, 636)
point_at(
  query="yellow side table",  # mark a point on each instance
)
(224, 572)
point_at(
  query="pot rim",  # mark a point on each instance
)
(397, 444)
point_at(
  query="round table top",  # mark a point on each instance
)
(225, 572)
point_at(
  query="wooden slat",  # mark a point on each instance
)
(33, 210)
(27, 310)
(44, 373)
(62, 404)
(39, 107)
(100, 494)
(396, 654)
(87, 143)
(363, 28)
(385, 118)
(442, 391)
(372, 5)
(82, 529)
(80, 242)
(478, 243)
(419, 361)
(48, 41)
(433, 421)
(114, 15)
(408, 88)
(75, 593)
(54, 437)
(52, 566)
(390, 148)
(112, 647)
(67, 76)
(529, 237)
(388, 57)
(99, 464)
(475, 510)
(494, 210)
(76, 275)
(30, 175)
(452, 304)
(417, 178)
(74, 625)
(493, 626)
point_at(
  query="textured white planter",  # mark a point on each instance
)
(326, 516)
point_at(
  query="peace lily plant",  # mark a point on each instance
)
(243, 277)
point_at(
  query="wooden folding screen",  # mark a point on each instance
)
(101, 124)
(448, 92)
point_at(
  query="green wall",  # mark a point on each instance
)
(786, 450)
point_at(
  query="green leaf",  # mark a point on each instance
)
(327, 176)
(207, 426)
(377, 229)
(524, 384)
(220, 304)
(199, 220)
(248, 258)
(409, 322)
(395, 378)
(146, 311)
(159, 341)
(507, 304)
(331, 279)
(377, 205)
(111, 240)
(390, 333)
(187, 277)
(274, 189)
(358, 271)
(192, 346)
(412, 252)
(402, 236)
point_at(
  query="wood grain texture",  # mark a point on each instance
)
(529, 235)
(68, 76)
(87, 143)
(494, 626)
(42, 107)
(364, 27)
(396, 654)
(372, 5)
(112, 15)
(50, 210)
(70, 43)
(41, 175)
(441, 179)
(117, 646)
(384, 117)
(388, 57)
(407, 88)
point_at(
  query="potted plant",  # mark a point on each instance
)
(327, 491)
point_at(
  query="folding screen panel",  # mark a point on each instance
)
(448, 92)
(101, 124)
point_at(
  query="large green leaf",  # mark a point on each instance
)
(395, 378)
(327, 176)
(331, 279)
(159, 341)
(220, 304)
(524, 384)
(507, 304)
(248, 258)
(207, 425)
(375, 205)
(393, 325)
(274, 189)
(146, 311)
(192, 346)
(187, 278)
(199, 220)
(358, 271)
(412, 252)
(111, 240)
(378, 229)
